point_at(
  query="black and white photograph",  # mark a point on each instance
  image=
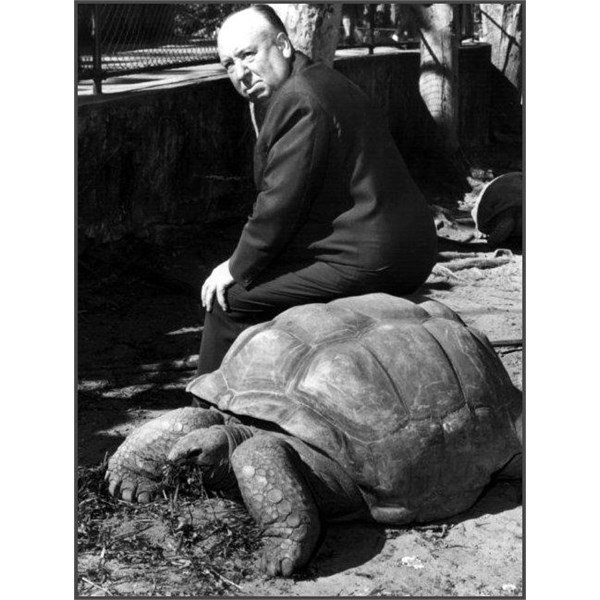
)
(299, 315)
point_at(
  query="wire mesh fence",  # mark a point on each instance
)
(125, 38)
(117, 39)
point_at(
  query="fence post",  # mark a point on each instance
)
(97, 65)
(370, 27)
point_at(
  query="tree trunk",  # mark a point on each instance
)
(501, 25)
(313, 28)
(438, 82)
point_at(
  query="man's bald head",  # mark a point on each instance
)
(268, 14)
(255, 50)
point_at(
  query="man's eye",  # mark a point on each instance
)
(227, 65)
(248, 54)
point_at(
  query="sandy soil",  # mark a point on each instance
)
(138, 333)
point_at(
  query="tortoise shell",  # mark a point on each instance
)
(501, 194)
(415, 405)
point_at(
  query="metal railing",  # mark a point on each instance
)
(126, 38)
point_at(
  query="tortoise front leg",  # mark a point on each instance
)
(135, 469)
(269, 476)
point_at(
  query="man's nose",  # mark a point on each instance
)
(240, 70)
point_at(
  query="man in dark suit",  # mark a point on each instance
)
(337, 213)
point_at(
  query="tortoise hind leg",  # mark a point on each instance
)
(286, 485)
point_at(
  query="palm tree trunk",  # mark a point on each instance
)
(313, 28)
(438, 82)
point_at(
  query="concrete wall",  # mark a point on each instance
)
(166, 162)
(151, 160)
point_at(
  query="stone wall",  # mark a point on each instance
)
(167, 161)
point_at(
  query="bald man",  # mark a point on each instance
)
(337, 213)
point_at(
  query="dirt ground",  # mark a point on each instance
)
(138, 333)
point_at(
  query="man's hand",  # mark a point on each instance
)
(216, 283)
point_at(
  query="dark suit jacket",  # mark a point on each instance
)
(332, 185)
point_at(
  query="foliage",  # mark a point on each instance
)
(202, 20)
(185, 543)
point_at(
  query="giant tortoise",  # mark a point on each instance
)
(366, 407)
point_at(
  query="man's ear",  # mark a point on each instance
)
(282, 41)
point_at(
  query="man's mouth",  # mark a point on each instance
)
(254, 89)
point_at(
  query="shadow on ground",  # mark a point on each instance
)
(347, 545)
(103, 423)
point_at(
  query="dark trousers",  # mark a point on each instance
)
(317, 282)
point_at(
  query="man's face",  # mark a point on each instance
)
(257, 59)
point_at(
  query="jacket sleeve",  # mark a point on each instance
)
(294, 156)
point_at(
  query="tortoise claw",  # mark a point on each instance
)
(132, 486)
(273, 564)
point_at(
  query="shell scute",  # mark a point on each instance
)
(264, 362)
(417, 366)
(347, 384)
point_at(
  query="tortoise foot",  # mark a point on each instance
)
(282, 556)
(133, 486)
(278, 498)
(135, 470)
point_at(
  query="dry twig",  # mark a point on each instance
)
(96, 586)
